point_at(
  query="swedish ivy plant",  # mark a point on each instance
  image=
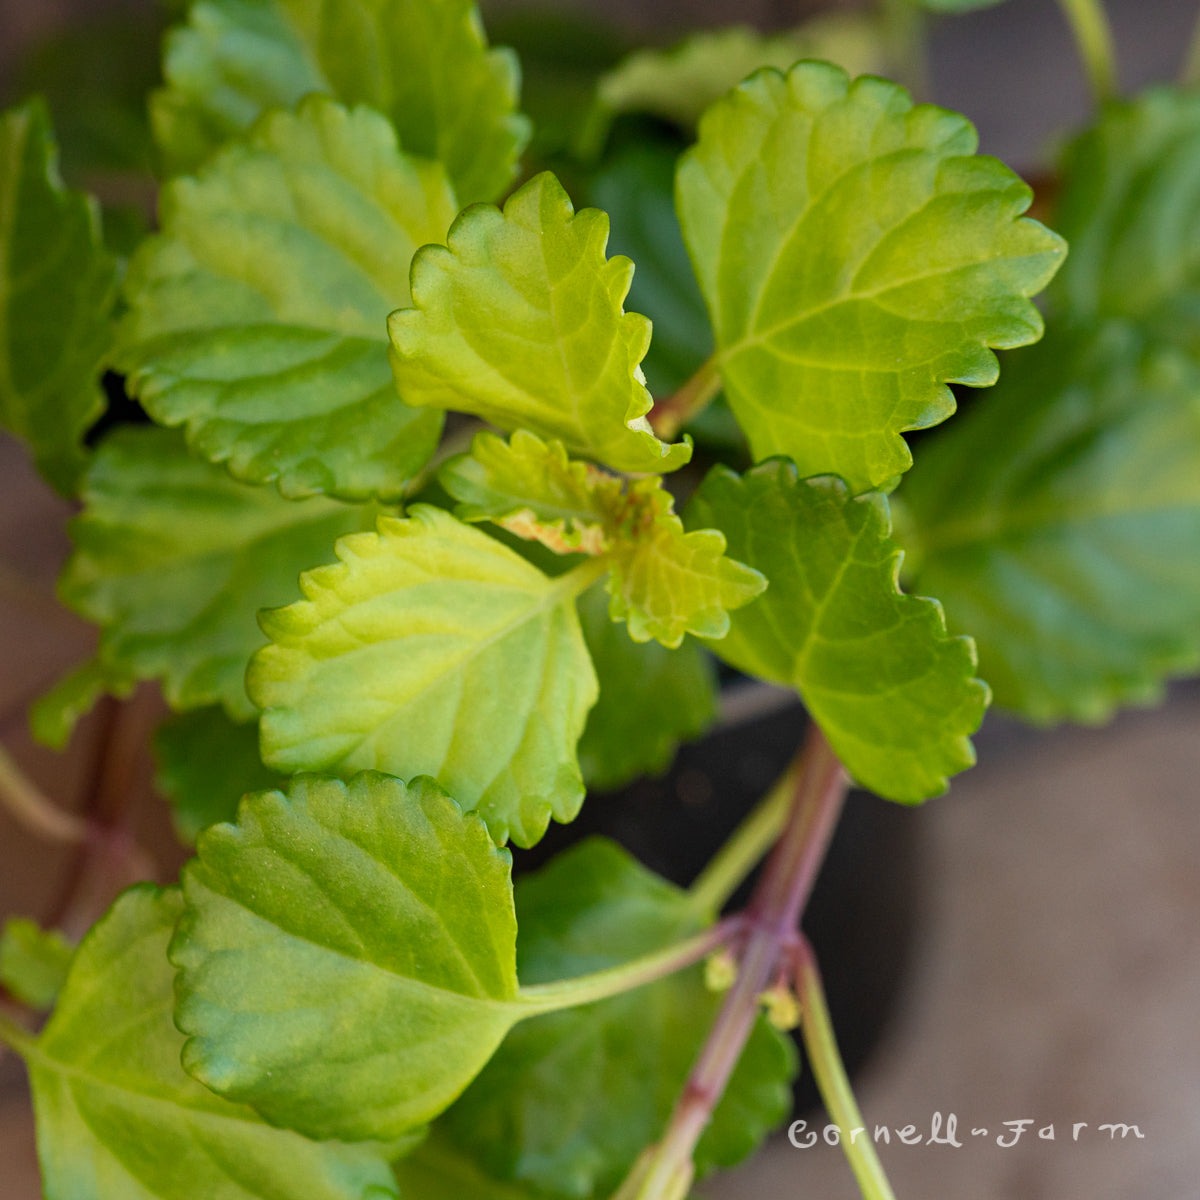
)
(421, 531)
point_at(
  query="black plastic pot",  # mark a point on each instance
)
(862, 914)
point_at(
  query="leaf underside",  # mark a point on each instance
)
(895, 695)
(856, 256)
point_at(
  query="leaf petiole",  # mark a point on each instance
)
(1093, 36)
(820, 1045)
(601, 985)
(673, 412)
(24, 801)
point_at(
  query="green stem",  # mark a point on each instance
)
(746, 846)
(24, 801)
(1189, 77)
(458, 442)
(1093, 35)
(904, 34)
(821, 1047)
(587, 989)
(578, 579)
(670, 415)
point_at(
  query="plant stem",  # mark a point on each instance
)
(756, 834)
(24, 801)
(821, 1047)
(1093, 36)
(671, 414)
(904, 34)
(587, 989)
(771, 919)
(110, 859)
(458, 441)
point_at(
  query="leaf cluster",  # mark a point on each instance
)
(426, 532)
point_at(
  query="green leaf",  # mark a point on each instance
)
(519, 320)
(666, 582)
(431, 649)
(231, 62)
(424, 63)
(437, 1170)
(680, 83)
(532, 489)
(119, 1120)
(95, 74)
(54, 715)
(173, 558)
(257, 315)
(206, 764)
(1130, 207)
(570, 1099)
(651, 699)
(373, 910)
(33, 962)
(855, 257)
(1059, 522)
(57, 285)
(894, 694)
(637, 190)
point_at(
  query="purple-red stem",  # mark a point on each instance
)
(772, 921)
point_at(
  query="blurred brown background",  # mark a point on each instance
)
(1057, 973)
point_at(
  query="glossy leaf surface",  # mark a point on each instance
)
(895, 695)
(519, 320)
(432, 649)
(856, 256)
(372, 908)
(257, 317)
(119, 1120)
(664, 582)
